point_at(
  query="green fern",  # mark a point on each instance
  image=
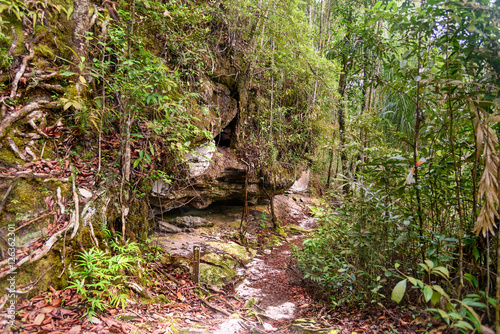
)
(100, 278)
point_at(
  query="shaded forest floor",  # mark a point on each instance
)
(188, 308)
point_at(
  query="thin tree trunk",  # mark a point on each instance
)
(341, 117)
(329, 169)
(128, 120)
(418, 117)
(457, 192)
(245, 213)
(497, 307)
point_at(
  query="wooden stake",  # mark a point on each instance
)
(196, 264)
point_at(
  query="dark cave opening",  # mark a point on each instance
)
(225, 137)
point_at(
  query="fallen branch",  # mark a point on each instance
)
(56, 179)
(50, 87)
(30, 135)
(42, 77)
(35, 115)
(170, 277)
(22, 112)
(30, 153)
(214, 307)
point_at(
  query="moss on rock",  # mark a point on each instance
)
(215, 275)
(233, 249)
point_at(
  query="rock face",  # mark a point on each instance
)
(221, 178)
(183, 224)
(199, 159)
(301, 184)
(223, 107)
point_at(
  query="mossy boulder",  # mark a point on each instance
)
(215, 275)
(233, 249)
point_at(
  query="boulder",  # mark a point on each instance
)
(190, 222)
(301, 184)
(168, 228)
(199, 159)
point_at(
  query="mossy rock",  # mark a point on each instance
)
(295, 230)
(27, 200)
(233, 249)
(221, 260)
(215, 275)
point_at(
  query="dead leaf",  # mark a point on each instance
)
(180, 296)
(39, 319)
(47, 309)
(75, 330)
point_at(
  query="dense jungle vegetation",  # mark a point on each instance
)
(393, 106)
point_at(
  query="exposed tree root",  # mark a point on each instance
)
(20, 73)
(22, 112)
(15, 149)
(77, 209)
(7, 268)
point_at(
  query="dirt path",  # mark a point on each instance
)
(269, 296)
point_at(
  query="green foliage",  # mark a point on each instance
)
(5, 60)
(342, 260)
(457, 313)
(101, 278)
(35, 10)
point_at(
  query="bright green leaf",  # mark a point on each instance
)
(399, 291)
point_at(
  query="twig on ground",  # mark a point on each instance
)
(77, 209)
(34, 220)
(4, 198)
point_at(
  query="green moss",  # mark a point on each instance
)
(7, 157)
(25, 199)
(30, 272)
(215, 275)
(233, 249)
(220, 260)
(44, 51)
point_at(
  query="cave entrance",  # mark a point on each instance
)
(225, 137)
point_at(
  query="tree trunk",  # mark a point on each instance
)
(341, 117)
(81, 25)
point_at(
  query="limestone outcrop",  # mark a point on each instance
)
(183, 224)
(222, 179)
